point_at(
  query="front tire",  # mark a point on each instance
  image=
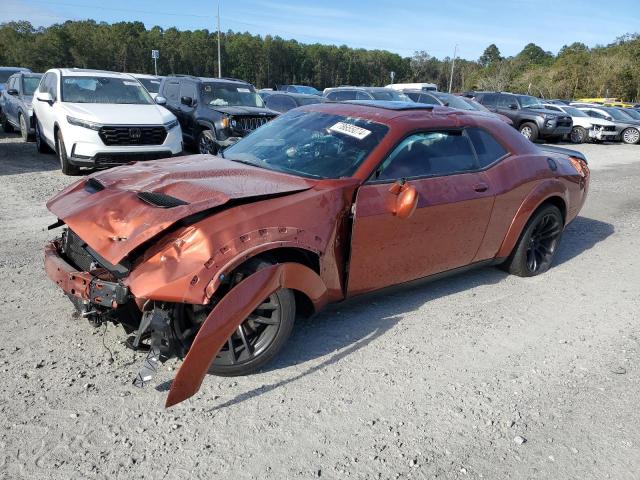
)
(261, 336)
(578, 135)
(529, 130)
(24, 129)
(538, 243)
(207, 143)
(6, 126)
(66, 167)
(630, 136)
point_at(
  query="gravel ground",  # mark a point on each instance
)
(478, 376)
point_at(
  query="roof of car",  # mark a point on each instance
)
(368, 89)
(145, 75)
(21, 69)
(211, 79)
(86, 72)
(27, 74)
(271, 93)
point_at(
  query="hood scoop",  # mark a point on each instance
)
(161, 200)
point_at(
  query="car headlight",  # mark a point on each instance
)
(84, 123)
(171, 125)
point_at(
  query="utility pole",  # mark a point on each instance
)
(219, 57)
(455, 51)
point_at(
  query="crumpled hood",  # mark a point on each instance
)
(111, 113)
(238, 110)
(106, 211)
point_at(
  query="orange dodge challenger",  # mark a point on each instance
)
(210, 258)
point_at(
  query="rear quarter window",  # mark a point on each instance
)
(488, 149)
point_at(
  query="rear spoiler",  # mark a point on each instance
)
(563, 151)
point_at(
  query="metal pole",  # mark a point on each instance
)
(455, 51)
(155, 65)
(219, 58)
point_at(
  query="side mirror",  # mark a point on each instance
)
(513, 106)
(406, 199)
(188, 101)
(45, 97)
(12, 91)
(161, 100)
(609, 118)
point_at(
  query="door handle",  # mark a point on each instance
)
(481, 187)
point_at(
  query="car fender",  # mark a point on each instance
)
(549, 188)
(207, 124)
(230, 312)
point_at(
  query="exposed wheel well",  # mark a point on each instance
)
(558, 202)
(304, 306)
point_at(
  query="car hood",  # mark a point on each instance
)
(117, 210)
(238, 110)
(113, 114)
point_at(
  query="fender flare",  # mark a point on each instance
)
(231, 311)
(208, 124)
(543, 192)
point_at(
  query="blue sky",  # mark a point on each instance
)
(401, 27)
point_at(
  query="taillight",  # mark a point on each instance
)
(580, 166)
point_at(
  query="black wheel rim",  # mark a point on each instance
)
(206, 145)
(254, 336)
(543, 242)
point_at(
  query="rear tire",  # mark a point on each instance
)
(578, 135)
(529, 130)
(24, 129)
(66, 167)
(630, 136)
(266, 339)
(538, 243)
(41, 144)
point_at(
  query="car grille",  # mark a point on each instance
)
(73, 250)
(111, 159)
(609, 128)
(248, 124)
(133, 135)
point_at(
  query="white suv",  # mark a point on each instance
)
(92, 118)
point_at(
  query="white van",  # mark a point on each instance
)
(425, 87)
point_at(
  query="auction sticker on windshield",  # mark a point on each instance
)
(244, 90)
(351, 130)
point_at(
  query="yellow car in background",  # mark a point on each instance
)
(608, 102)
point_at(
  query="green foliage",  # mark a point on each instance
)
(577, 71)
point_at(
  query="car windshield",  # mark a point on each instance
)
(453, 101)
(307, 90)
(574, 112)
(230, 95)
(151, 84)
(310, 144)
(632, 113)
(389, 95)
(528, 101)
(104, 90)
(5, 74)
(310, 100)
(618, 115)
(29, 85)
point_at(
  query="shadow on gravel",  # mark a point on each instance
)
(581, 235)
(17, 157)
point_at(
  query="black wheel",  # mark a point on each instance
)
(578, 135)
(24, 129)
(538, 243)
(529, 130)
(41, 145)
(630, 135)
(65, 166)
(261, 336)
(207, 143)
(6, 126)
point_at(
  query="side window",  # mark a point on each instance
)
(188, 90)
(489, 99)
(42, 86)
(429, 154)
(171, 92)
(504, 101)
(346, 95)
(280, 103)
(413, 96)
(363, 96)
(487, 148)
(428, 99)
(52, 86)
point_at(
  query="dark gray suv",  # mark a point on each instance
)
(15, 103)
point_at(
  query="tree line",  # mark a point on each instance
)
(576, 71)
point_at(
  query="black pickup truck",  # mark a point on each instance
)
(527, 115)
(213, 112)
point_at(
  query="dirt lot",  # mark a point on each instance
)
(435, 381)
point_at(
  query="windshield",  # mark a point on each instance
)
(618, 115)
(307, 90)
(29, 85)
(104, 90)
(389, 94)
(229, 94)
(151, 84)
(632, 113)
(528, 101)
(310, 144)
(453, 101)
(574, 112)
(5, 74)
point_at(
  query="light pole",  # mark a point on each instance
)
(455, 51)
(219, 57)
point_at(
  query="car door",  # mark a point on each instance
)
(11, 101)
(446, 230)
(187, 89)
